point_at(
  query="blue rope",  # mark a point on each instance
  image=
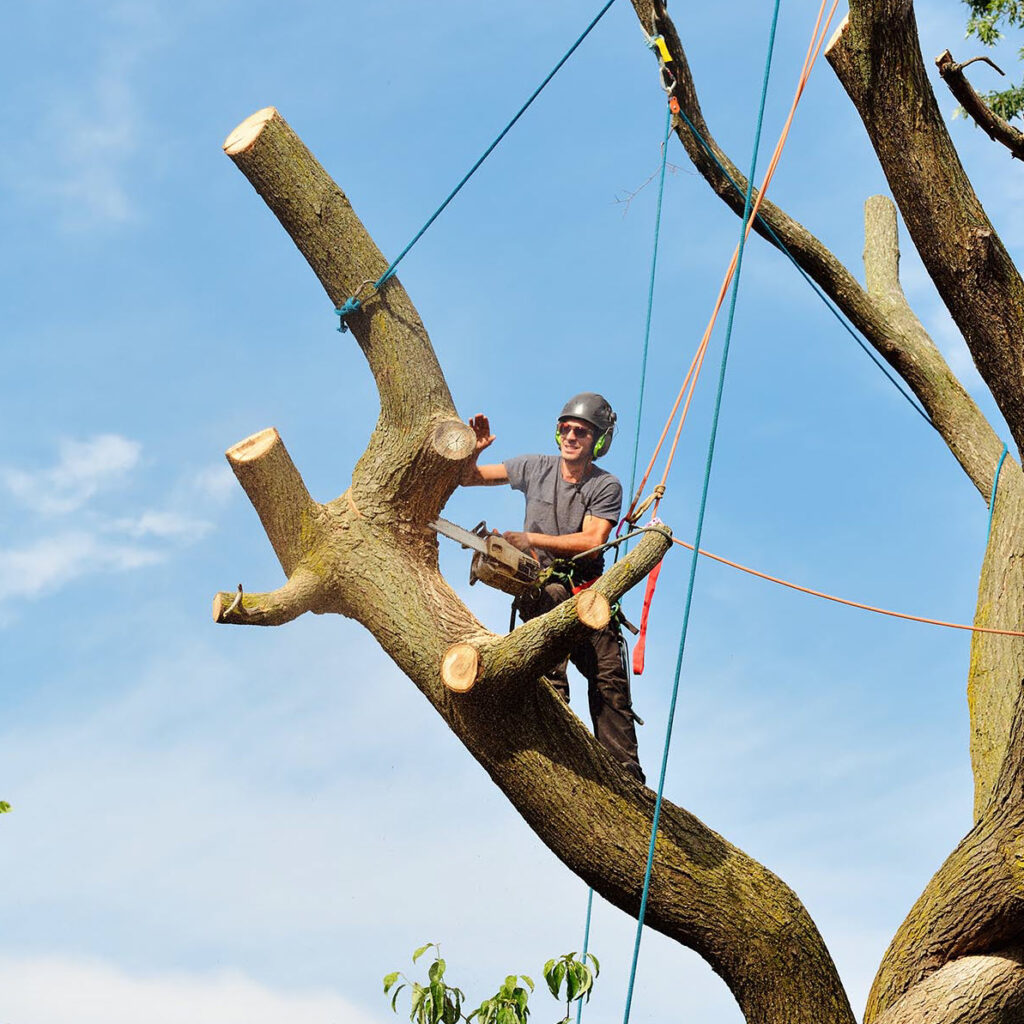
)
(586, 944)
(353, 303)
(700, 516)
(992, 500)
(803, 273)
(650, 299)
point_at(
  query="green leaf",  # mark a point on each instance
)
(437, 999)
(554, 976)
(5, 807)
(394, 999)
(521, 996)
(390, 979)
(597, 966)
(437, 969)
(419, 994)
(419, 952)
(572, 983)
(528, 980)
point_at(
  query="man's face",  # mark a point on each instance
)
(577, 440)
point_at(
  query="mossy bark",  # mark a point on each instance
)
(370, 555)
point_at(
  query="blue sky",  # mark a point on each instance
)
(218, 825)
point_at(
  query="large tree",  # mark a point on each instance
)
(369, 555)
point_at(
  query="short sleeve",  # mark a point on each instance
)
(606, 501)
(518, 471)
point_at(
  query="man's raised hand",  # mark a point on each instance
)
(482, 428)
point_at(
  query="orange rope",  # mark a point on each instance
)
(813, 49)
(690, 383)
(843, 600)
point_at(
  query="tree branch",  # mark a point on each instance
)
(898, 338)
(277, 491)
(297, 596)
(878, 60)
(970, 990)
(378, 561)
(321, 222)
(540, 644)
(973, 904)
(984, 117)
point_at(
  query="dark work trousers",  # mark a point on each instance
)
(598, 660)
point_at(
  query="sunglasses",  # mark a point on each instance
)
(568, 429)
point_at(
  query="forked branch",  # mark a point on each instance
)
(877, 57)
(899, 339)
(979, 111)
(374, 548)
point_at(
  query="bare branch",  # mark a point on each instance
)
(321, 222)
(275, 608)
(877, 57)
(277, 491)
(899, 339)
(984, 117)
(527, 652)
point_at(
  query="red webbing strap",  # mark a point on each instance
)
(641, 643)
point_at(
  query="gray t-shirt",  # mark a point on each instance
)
(556, 507)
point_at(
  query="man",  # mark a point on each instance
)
(571, 507)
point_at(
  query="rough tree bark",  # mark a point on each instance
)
(369, 555)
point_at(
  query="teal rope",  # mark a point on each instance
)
(352, 304)
(992, 500)
(650, 300)
(700, 516)
(807, 277)
(586, 944)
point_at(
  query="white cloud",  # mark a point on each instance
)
(216, 484)
(155, 523)
(77, 162)
(53, 562)
(56, 991)
(96, 542)
(83, 469)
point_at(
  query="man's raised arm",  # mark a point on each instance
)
(483, 476)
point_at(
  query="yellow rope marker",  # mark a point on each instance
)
(666, 57)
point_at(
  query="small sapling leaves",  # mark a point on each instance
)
(437, 1002)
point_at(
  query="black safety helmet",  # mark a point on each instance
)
(595, 410)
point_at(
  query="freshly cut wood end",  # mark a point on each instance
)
(843, 25)
(459, 667)
(253, 447)
(593, 609)
(454, 440)
(248, 131)
(218, 608)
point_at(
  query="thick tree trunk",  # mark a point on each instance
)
(371, 556)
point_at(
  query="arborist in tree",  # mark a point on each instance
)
(571, 507)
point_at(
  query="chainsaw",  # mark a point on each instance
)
(495, 562)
